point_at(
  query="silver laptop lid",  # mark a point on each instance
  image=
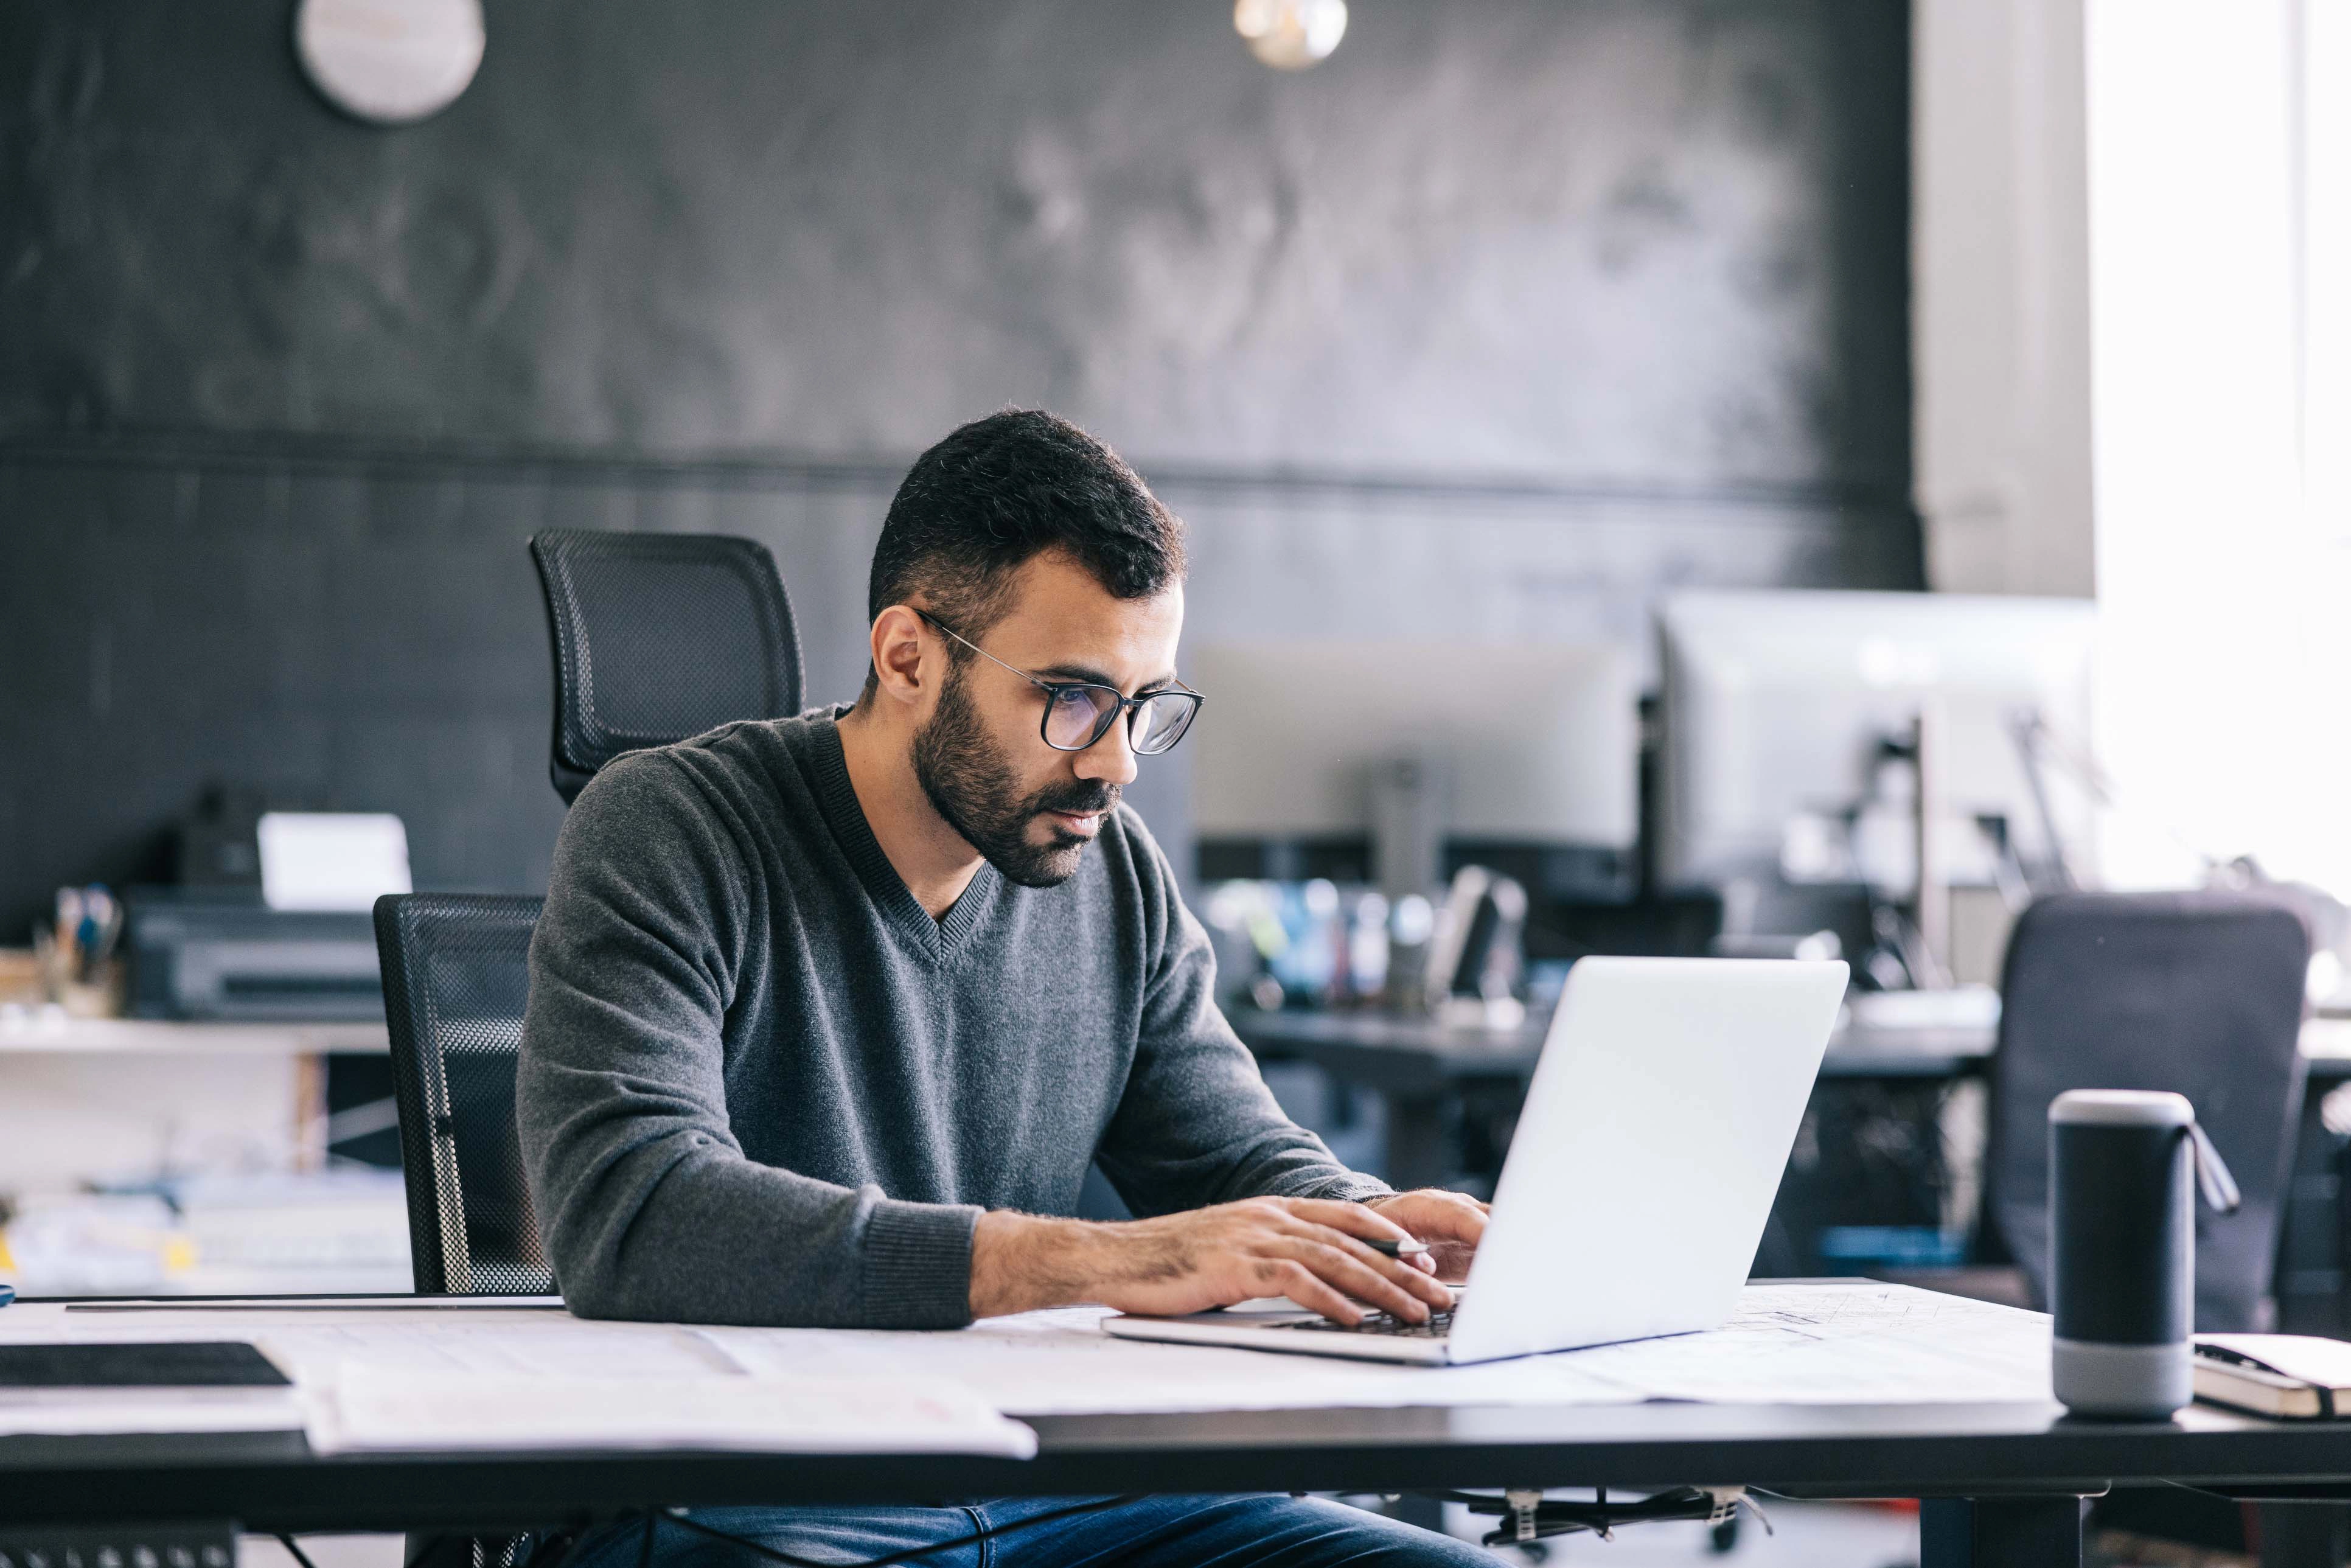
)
(1651, 1146)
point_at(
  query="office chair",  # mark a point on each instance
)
(2198, 993)
(659, 637)
(456, 976)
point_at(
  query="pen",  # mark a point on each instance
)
(1407, 1247)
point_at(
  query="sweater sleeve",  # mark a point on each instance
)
(1196, 1124)
(647, 1204)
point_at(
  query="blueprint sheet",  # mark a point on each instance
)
(1841, 1343)
(1837, 1341)
(1061, 1364)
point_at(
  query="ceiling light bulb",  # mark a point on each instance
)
(1290, 35)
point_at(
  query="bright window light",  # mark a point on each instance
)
(2226, 664)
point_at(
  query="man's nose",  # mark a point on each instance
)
(1111, 758)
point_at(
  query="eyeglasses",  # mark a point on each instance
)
(1080, 713)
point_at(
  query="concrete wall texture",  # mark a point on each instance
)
(1510, 315)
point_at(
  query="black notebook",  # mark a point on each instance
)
(2298, 1376)
(193, 1364)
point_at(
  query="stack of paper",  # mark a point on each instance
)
(85, 1412)
(375, 1407)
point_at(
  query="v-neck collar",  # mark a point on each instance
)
(838, 796)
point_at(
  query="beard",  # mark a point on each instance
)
(972, 785)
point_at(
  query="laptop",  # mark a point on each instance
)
(1644, 1166)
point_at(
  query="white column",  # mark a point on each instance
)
(2000, 336)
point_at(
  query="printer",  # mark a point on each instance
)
(224, 955)
(271, 921)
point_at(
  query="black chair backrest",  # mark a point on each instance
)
(659, 637)
(456, 976)
(2198, 993)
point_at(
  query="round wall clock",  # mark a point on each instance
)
(390, 62)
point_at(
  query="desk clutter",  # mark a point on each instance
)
(394, 1374)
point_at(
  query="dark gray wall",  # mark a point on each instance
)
(1511, 313)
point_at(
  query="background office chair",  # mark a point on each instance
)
(454, 981)
(659, 637)
(2198, 993)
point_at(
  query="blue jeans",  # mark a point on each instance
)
(1257, 1530)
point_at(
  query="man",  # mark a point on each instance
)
(830, 1015)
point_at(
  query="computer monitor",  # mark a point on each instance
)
(1527, 746)
(1785, 712)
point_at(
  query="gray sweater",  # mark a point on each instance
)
(760, 1084)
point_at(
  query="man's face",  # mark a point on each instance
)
(980, 755)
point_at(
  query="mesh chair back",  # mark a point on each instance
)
(659, 637)
(2201, 994)
(456, 976)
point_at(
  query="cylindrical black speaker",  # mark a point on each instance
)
(2122, 1266)
(2122, 1168)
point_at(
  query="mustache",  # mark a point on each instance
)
(1078, 800)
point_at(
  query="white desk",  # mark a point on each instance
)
(84, 1098)
(35, 1033)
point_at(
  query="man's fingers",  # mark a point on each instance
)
(1440, 1217)
(1288, 1276)
(1340, 1270)
(1414, 1274)
(1351, 1218)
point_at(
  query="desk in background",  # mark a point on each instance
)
(32, 1034)
(90, 1098)
(1419, 1068)
(1425, 1073)
(126, 1101)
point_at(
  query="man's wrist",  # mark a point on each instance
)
(1022, 1262)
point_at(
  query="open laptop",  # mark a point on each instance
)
(1638, 1181)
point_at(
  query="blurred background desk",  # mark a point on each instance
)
(153, 1156)
(30, 1033)
(1446, 1098)
(1422, 1070)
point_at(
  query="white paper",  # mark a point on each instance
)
(1842, 1343)
(1061, 1364)
(80, 1412)
(384, 1408)
(457, 1377)
(559, 1346)
(1858, 1342)
(331, 859)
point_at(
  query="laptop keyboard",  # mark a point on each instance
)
(1439, 1324)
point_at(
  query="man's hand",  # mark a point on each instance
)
(1452, 1223)
(1310, 1250)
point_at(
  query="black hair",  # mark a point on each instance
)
(993, 494)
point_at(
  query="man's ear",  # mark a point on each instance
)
(898, 651)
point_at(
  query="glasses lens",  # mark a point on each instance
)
(1161, 722)
(1078, 714)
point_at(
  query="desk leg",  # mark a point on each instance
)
(1417, 1147)
(309, 1112)
(1999, 1533)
